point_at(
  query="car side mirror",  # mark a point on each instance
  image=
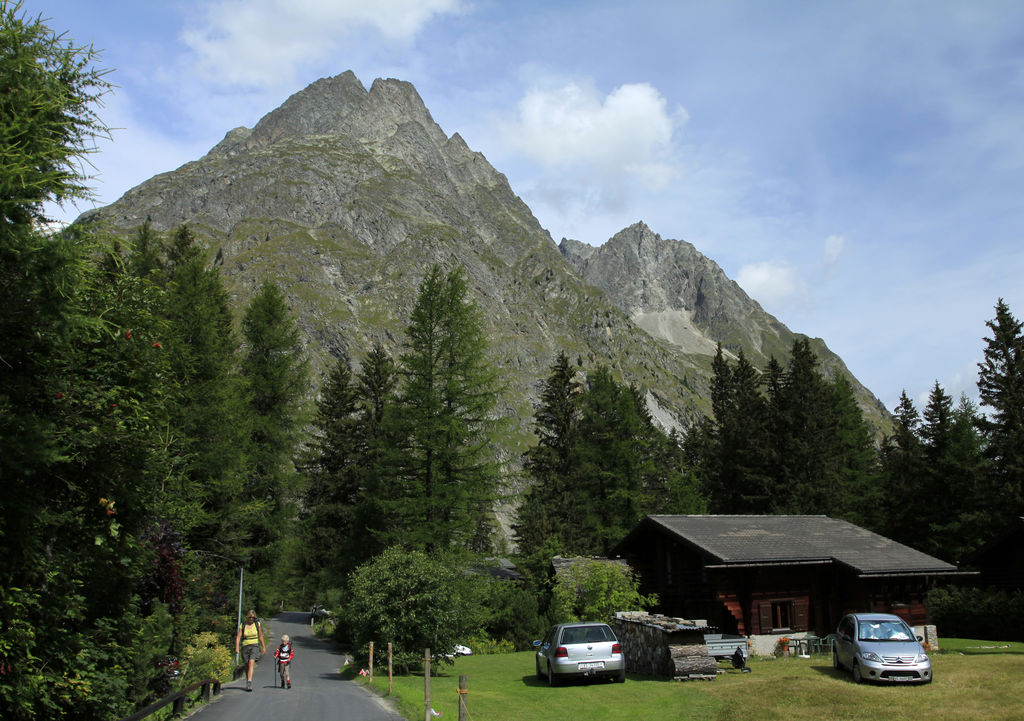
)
(536, 644)
(920, 639)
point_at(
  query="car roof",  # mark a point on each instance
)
(581, 623)
(876, 617)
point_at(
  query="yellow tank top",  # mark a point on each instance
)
(250, 634)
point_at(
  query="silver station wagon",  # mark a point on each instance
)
(880, 647)
(579, 650)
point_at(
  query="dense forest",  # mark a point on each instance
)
(157, 449)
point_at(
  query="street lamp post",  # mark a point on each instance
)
(241, 576)
(241, 581)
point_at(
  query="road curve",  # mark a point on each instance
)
(317, 692)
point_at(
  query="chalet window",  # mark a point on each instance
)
(782, 615)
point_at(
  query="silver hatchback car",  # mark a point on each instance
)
(579, 650)
(880, 647)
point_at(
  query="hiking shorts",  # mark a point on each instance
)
(251, 652)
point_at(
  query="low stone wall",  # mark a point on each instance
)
(665, 647)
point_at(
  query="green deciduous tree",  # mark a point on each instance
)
(410, 599)
(593, 590)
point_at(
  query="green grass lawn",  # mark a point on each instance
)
(973, 680)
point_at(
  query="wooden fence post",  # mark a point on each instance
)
(390, 675)
(463, 692)
(426, 685)
(371, 661)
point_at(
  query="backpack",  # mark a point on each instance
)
(284, 651)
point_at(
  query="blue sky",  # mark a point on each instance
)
(858, 167)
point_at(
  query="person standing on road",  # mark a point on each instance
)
(250, 637)
(284, 655)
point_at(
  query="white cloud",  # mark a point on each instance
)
(834, 245)
(629, 130)
(263, 42)
(594, 151)
(769, 282)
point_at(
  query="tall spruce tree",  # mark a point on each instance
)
(376, 390)
(275, 379)
(447, 482)
(739, 470)
(208, 414)
(902, 457)
(803, 420)
(1001, 389)
(854, 459)
(545, 508)
(332, 468)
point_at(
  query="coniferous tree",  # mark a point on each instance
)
(854, 460)
(902, 458)
(739, 471)
(982, 506)
(208, 414)
(803, 422)
(80, 392)
(375, 388)
(949, 481)
(545, 507)
(448, 480)
(1001, 389)
(274, 377)
(332, 468)
(607, 474)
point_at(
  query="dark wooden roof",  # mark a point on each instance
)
(737, 541)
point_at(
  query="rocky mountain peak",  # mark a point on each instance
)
(343, 196)
(318, 109)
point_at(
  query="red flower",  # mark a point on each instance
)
(157, 345)
(58, 395)
(128, 333)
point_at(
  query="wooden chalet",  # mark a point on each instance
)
(777, 574)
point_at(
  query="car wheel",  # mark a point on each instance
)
(835, 661)
(540, 674)
(621, 677)
(552, 680)
(857, 678)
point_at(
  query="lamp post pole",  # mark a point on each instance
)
(241, 576)
(241, 579)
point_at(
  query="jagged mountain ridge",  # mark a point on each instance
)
(672, 291)
(344, 196)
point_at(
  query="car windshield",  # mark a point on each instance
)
(883, 630)
(587, 634)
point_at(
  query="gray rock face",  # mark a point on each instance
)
(345, 196)
(672, 291)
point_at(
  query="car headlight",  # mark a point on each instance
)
(921, 658)
(868, 656)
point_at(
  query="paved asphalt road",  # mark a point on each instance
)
(317, 692)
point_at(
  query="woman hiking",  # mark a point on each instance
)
(250, 637)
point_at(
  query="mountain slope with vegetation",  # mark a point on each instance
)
(344, 196)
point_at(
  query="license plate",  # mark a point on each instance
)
(591, 665)
(903, 678)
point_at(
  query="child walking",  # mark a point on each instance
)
(284, 655)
